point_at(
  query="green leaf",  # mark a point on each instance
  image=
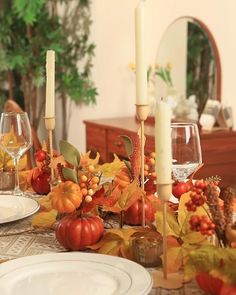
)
(69, 174)
(69, 152)
(128, 145)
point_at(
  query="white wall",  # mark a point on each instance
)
(113, 34)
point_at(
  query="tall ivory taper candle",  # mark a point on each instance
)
(163, 149)
(50, 85)
(140, 55)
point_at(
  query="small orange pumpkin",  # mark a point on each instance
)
(66, 197)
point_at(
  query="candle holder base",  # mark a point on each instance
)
(164, 191)
(142, 112)
(50, 123)
(172, 281)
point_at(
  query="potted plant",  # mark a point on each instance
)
(28, 30)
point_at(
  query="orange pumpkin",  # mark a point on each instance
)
(66, 197)
(122, 178)
(76, 233)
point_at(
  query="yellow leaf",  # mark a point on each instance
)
(174, 259)
(44, 219)
(110, 169)
(123, 233)
(45, 203)
(172, 226)
(116, 242)
(85, 159)
(194, 238)
(128, 196)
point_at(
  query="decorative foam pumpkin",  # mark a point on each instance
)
(133, 215)
(122, 178)
(66, 197)
(75, 233)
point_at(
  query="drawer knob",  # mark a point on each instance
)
(118, 143)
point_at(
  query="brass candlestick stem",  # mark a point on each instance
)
(142, 112)
(50, 126)
(164, 193)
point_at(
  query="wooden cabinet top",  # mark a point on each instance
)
(131, 124)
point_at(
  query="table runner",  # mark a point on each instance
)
(18, 239)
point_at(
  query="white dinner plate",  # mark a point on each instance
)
(14, 208)
(73, 273)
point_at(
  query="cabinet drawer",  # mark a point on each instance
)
(96, 140)
(116, 143)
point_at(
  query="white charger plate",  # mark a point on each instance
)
(13, 208)
(73, 273)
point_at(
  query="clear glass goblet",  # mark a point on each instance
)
(15, 139)
(186, 150)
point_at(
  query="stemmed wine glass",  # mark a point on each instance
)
(15, 139)
(186, 150)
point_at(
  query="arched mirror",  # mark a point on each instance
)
(187, 67)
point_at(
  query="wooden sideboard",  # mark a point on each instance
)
(218, 147)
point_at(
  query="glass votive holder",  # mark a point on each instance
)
(7, 180)
(147, 251)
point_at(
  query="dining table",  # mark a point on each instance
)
(20, 239)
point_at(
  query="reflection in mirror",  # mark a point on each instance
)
(187, 58)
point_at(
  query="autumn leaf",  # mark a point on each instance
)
(44, 219)
(98, 199)
(57, 160)
(172, 226)
(174, 259)
(194, 237)
(85, 159)
(111, 169)
(124, 198)
(116, 242)
(45, 204)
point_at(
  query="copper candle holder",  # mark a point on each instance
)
(147, 251)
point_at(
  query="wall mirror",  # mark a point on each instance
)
(188, 64)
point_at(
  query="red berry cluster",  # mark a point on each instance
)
(202, 224)
(197, 196)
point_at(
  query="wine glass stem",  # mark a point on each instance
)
(17, 190)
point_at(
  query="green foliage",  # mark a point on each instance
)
(212, 259)
(28, 29)
(28, 10)
(69, 152)
(200, 65)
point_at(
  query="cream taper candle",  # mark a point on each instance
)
(140, 55)
(163, 143)
(50, 84)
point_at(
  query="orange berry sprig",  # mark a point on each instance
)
(88, 183)
(149, 166)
